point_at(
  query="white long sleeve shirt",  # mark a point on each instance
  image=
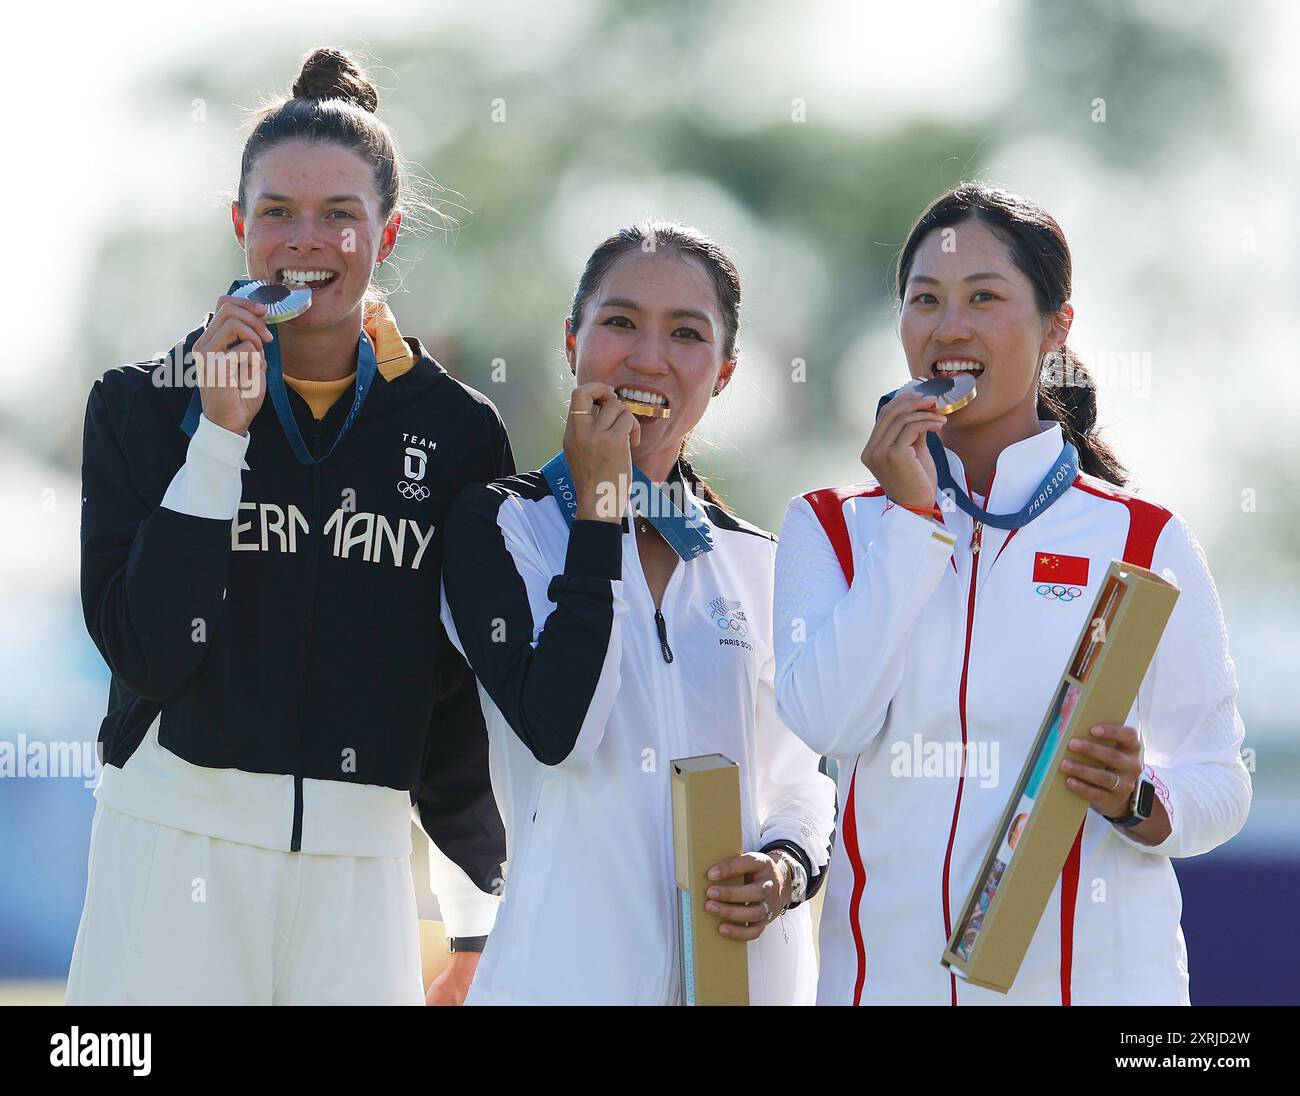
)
(588, 695)
(927, 677)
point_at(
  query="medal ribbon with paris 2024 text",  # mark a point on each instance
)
(688, 533)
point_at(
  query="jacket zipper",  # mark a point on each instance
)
(671, 748)
(295, 840)
(977, 534)
(675, 748)
(662, 626)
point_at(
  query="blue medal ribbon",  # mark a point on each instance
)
(367, 369)
(687, 531)
(1050, 490)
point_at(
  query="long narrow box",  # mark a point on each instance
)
(1043, 816)
(706, 830)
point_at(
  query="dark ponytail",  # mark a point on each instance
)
(1068, 394)
(1066, 391)
(698, 483)
(649, 237)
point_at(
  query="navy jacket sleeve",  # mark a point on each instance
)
(546, 647)
(152, 579)
(454, 801)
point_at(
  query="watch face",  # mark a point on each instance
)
(799, 888)
(1146, 798)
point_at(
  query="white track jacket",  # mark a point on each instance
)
(589, 694)
(927, 674)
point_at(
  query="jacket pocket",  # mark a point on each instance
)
(526, 884)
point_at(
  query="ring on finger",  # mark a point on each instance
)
(1115, 787)
(766, 909)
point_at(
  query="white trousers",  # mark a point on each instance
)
(173, 918)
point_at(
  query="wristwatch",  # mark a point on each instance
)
(466, 943)
(798, 876)
(1139, 806)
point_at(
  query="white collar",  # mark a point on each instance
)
(1020, 469)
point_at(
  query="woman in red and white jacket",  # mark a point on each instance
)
(919, 643)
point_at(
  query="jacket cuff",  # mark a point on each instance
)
(208, 484)
(913, 551)
(595, 550)
(468, 915)
(915, 533)
(1166, 797)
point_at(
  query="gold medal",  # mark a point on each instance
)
(282, 303)
(950, 393)
(647, 410)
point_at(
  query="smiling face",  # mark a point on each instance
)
(652, 330)
(313, 216)
(968, 308)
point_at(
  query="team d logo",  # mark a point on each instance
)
(414, 468)
(417, 460)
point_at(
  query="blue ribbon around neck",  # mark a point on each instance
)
(687, 531)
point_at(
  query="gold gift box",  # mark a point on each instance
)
(706, 830)
(1043, 816)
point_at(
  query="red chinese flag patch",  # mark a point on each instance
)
(1061, 570)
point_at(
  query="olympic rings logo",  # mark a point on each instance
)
(416, 491)
(1059, 593)
(732, 624)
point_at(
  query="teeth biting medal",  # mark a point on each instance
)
(282, 303)
(647, 410)
(950, 393)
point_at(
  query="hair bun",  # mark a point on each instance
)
(332, 74)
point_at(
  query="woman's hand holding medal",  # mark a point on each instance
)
(598, 442)
(896, 452)
(232, 370)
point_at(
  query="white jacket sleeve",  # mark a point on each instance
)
(796, 802)
(465, 910)
(840, 650)
(1186, 710)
